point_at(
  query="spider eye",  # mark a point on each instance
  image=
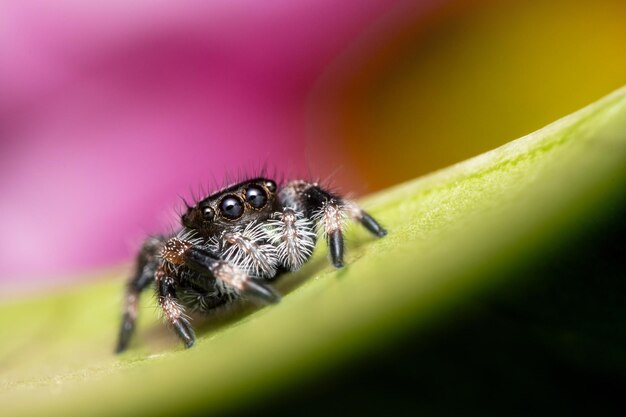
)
(271, 186)
(208, 213)
(231, 207)
(256, 196)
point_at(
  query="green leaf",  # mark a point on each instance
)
(471, 229)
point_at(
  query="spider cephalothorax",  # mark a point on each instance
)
(232, 243)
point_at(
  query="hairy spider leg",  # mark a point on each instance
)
(146, 266)
(367, 221)
(320, 205)
(329, 211)
(173, 312)
(208, 265)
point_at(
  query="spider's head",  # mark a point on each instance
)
(238, 204)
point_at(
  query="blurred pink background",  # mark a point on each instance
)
(110, 111)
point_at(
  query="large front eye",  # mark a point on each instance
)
(231, 207)
(256, 196)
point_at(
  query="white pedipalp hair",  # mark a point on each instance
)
(249, 249)
(189, 236)
(294, 237)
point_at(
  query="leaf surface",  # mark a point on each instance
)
(453, 234)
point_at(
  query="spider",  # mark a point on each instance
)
(231, 244)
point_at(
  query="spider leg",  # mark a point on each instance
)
(328, 210)
(294, 237)
(367, 221)
(322, 206)
(332, 219)
(172, 310)
(207, 264)
(147, 263)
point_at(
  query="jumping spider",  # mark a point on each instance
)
(232, 243)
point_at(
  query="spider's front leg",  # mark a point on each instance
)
(329, 211)
(174, 313)
(178, 252)
(208, 265)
